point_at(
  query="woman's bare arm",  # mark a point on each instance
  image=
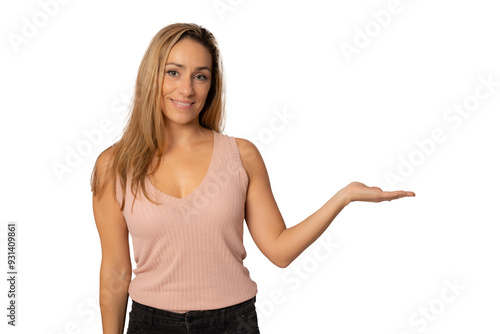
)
(116, 267)
(282, 245)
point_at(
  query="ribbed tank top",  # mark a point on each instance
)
(189, 251)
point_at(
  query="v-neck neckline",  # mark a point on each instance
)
(188, 197)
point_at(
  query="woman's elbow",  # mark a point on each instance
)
(280, 262)
(113, 274)
(282, 265)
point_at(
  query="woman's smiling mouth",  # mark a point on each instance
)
(182, 104)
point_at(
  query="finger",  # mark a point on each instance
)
(390, 195)
(407, 193)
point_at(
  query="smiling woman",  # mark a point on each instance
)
(188, 240)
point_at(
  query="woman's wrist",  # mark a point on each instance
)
(344, 196)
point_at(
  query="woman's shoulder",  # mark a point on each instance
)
(105, 158)
(103, 167)
(245, 145)
(103, 170)
(250, 156)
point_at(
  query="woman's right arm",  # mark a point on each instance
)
(116, 267)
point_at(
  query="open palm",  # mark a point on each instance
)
(357, 191)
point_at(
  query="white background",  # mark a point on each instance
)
(354, 118)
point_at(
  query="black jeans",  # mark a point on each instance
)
(237, 319)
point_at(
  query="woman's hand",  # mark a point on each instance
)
(357, 191)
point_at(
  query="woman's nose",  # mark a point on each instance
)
(186, 86)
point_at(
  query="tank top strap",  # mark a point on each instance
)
(231, 159)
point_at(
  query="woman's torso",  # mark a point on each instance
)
(189, 249)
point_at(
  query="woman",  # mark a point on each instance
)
(182, 189)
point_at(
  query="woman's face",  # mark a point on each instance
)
(188, 73)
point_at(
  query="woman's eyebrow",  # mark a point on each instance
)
(182, 66)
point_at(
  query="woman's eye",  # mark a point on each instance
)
(172, 73)
(201, 77)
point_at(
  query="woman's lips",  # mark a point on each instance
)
(182, 104)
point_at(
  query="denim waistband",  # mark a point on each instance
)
(230, 311)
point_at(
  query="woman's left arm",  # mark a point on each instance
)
(282, 245)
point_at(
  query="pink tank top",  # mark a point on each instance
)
(189, 252)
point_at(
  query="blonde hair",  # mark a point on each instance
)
(144, 136)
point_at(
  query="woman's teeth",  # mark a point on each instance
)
(181, 103)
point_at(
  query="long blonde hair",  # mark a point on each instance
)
(144, 136)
